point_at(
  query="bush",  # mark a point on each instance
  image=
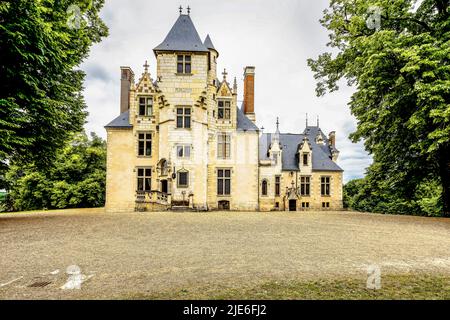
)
(365, 195)
(76, 179)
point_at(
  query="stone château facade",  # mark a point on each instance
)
(182, 141)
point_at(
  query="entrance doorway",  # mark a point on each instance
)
(164, 186)
(292, 205)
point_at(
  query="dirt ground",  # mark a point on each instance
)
(144, 253)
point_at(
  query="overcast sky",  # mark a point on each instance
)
(277, 37)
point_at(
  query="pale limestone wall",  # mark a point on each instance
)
(335, 198)
(315, 199)
(289, 178)
(120, 181)
(244, 171)
(122, 151)
(267, 203)
(185, 90)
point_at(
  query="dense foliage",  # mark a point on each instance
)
(76, 178)
(42, 42)
(401, 71)
(363, 195)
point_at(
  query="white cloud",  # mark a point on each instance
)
(276, 37)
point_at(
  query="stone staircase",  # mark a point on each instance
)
(182, 209)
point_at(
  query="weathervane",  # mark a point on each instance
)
(189, 10)
(181, 9)
(278, 124)
(146, 66)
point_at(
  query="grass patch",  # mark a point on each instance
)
(396, 287)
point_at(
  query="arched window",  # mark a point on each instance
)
(264, 188)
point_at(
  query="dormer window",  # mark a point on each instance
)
(319, 139)
(184, 64)
(275, 158)
(146, 106)
(305, 159)
(224, 110)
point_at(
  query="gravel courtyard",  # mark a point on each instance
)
(122, 254)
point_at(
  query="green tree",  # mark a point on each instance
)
(367, 196)
(76, 178)
(350, 190)
(401, 72)
(42, 43)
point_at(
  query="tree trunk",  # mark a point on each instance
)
(444, 173)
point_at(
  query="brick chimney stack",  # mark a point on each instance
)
(127, 77)
(249, 93)
(332, 138)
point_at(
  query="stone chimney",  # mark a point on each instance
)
(127, 78)
(249, 93)
(332, 138)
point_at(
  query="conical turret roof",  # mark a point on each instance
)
(208, 43)
(182, 37)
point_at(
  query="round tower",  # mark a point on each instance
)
(212, 61)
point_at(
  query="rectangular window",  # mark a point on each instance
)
(144, 144)
(305, 159)
(183, 179)
(224, 110)
(184, 117)
(325, 204)
(305, 205)
(183, 151)
(223, 146)
(305, 186)
(325, 186)
(277, 186)
(144, 179)
(184, 64)
(146, 106)
(223, 182)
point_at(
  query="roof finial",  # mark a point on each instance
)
(317, 121)
(306, 119)
(224, 73)
(235, 85)
(146, 66)
(189, 10)
(181, 9)
(278, 124)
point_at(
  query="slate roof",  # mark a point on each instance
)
(208, 43)
(122, 121)
(321, 154)
(182, 37)
(244, 123)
